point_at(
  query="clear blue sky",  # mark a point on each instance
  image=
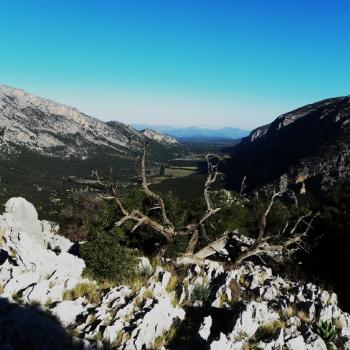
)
(178, 62)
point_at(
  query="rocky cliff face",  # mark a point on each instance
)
(53, 129)
(308, 148)
(156, 136)
(203, 307)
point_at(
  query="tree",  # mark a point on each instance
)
(285, 242)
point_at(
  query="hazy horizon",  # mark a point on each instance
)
(200, 63)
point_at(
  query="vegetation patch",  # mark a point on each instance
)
(327, 332)
(201, 292)
(85, 289)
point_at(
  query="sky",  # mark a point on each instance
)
(211, 63)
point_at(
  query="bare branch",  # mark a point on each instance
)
(213, 174)
(150, 193)
(262, 247)
(243, 186)
(264, 220)
(212, 248)
(193, 242)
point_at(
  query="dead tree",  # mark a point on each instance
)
(164, 226)
(281, 245)
(284, 243)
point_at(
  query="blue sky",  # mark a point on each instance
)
(211, 63)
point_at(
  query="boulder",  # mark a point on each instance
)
(25, 217)
(31, 267)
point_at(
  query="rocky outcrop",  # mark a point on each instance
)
(156, 136)
(170, 307)
(308, 149)
(37, 265)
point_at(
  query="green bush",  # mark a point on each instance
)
(201, 292)
(327, 332)
(107, 259)
(88, 215)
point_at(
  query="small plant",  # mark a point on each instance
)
(148, 294)
(268, 330)
(2, 232)
(327, 332)
(145, 271)
(173, 283)
(201, 292)
(288, 312)
(87, 290)
(159, 342)
(98, 336)
(17, 297)
(121, 335)
(166, 337)
(242, 336)
(304, 317)
(48, 303)
(223, 299)
(138, 301)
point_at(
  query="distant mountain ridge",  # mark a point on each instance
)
(196, 132)
(54, 129)
(308, 148)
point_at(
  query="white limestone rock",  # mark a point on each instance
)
(154, 323)
(296, 343)
(22, 216)
(204, 329)
(68, 310)
(223, 343)
(144, 265)
(254, 315)
(314, 342)
(27, 242)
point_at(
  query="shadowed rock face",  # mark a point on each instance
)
(308, 146)
(28, 327)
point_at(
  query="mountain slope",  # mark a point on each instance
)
(306, 147)
(54, 129)
(48, 151)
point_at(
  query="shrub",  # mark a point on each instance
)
(89, 214)
(327, 332)
(201, 292)
(107, 259)
(148, 294)
(267, 330)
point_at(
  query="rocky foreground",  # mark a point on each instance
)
(46, 303)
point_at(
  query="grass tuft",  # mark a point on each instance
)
(85, 289)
